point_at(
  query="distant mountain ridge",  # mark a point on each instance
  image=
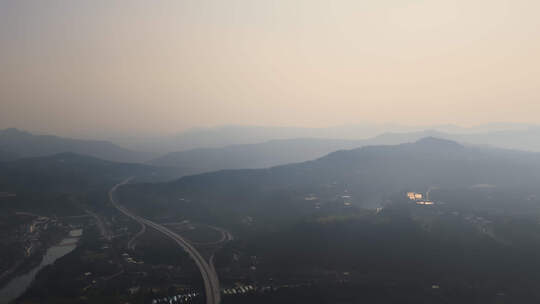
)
(262, 154)
(241, 135)
(275, 152)
(251, 156)
(24, 144)
(286, 151)
(364, 173)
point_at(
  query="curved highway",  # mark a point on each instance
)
(209, 275)
(132, 242)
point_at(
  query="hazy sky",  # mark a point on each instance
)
(84, 67)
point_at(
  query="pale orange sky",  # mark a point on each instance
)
(83, 67)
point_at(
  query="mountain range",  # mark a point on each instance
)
(365, 175)
(217, 137)
(285, 151)
(17, 144)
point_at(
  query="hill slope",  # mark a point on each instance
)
(67, 172)
(62, 183)
(263, 155)
(366, 174)
(287, 151)
(275, 152)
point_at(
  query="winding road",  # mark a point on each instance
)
(132, 242)
(209, 275)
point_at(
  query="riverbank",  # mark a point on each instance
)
(23, 277)
(25, 264)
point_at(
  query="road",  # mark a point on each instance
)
(209, 275)
(131, 243)
(226, 235)
(105, 233)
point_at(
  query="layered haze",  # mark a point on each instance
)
(279, 151)
(98, 68)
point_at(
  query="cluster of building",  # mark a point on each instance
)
(238, 290)
(418, 198)
(181, 298)
(131, 260)
(413, 196)
(41, 222)
(311, 197)
(32, 233)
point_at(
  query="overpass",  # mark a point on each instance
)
(208, 273)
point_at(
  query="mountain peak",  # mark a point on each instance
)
(437, 142)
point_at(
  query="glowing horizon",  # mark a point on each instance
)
(72, 67)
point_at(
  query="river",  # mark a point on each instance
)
(18, 285)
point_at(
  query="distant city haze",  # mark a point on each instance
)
(159, 67)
